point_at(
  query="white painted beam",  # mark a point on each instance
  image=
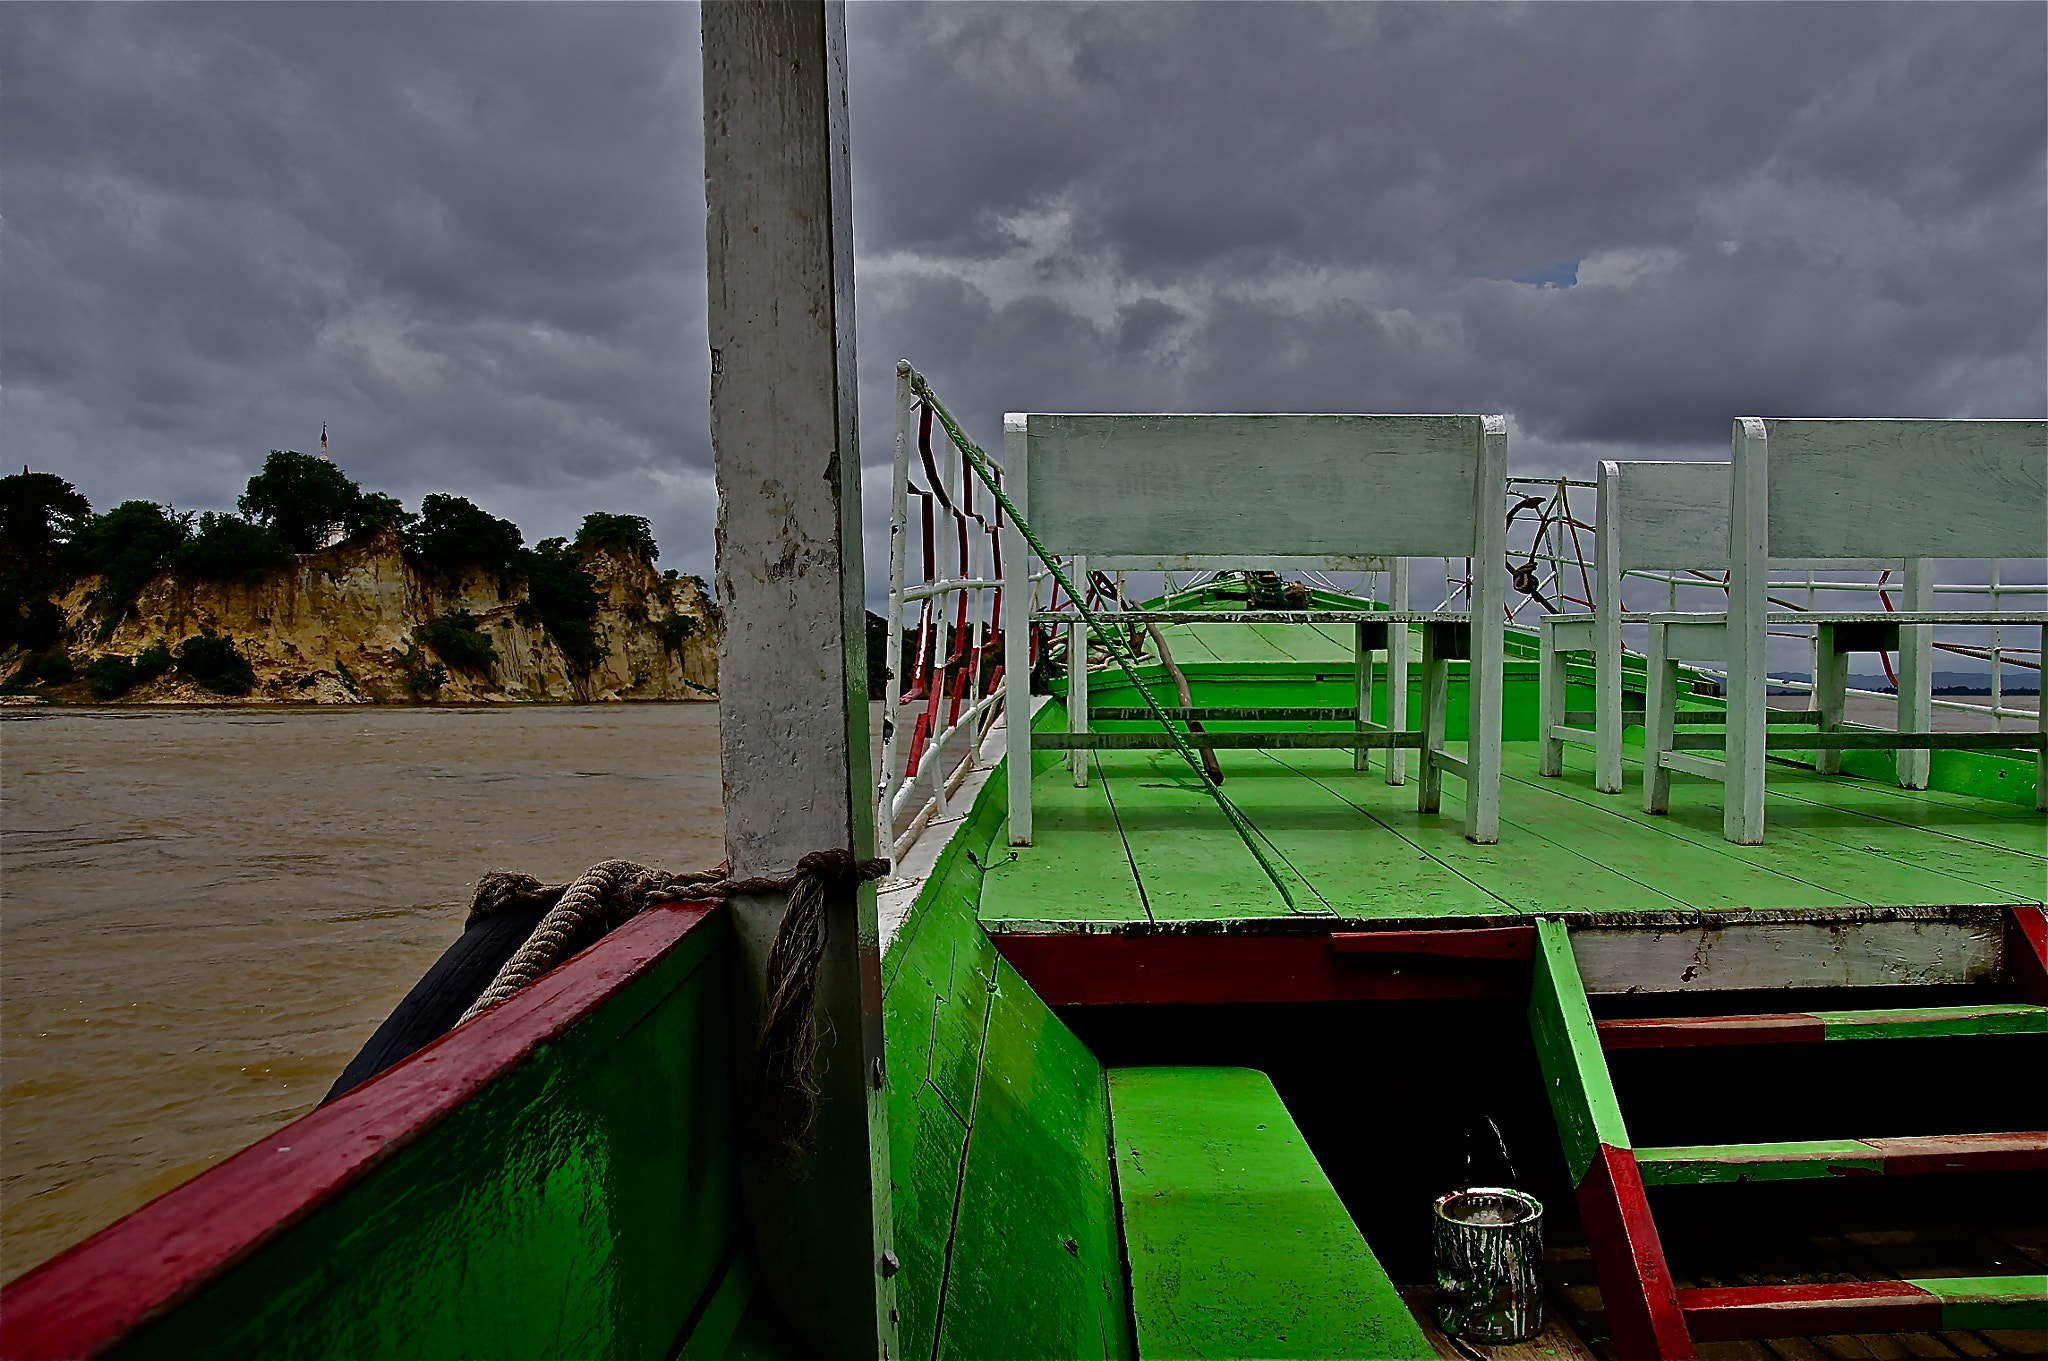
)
(792, 666)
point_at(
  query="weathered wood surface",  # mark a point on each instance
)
(1935, 489)
(1810, 1159)
(1664, 516)
(1858, 1309)
(1741, 955)
(1226, 713)
(1274, 485)
(1257, 616)
(1874, 740)
(794, 721)
(1238, 1245)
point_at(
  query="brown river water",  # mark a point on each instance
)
(205, 912)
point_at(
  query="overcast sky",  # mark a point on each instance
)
(470, 237)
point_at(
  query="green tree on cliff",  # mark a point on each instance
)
(453, 533)
(305, 499)
(37, 514)
(627, 534)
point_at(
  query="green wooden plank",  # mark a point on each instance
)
(1036, 1269)
(1960, 817)
(1934, 1022)
(1078, 868)
(1996, 1302)
(1815, 854)
(1575, 1075)
(1801, 1160)
(1524, 872)
(1238, 1245)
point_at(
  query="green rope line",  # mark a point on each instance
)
(1108, 636)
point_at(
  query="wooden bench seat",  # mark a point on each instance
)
(1237, 1243)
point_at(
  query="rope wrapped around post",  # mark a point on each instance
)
(782, 1080)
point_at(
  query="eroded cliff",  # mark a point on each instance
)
(347, 625)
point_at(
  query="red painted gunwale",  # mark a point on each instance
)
(1077, 969)
(1733, 1313)
(88, 1297)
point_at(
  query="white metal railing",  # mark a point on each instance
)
(941, 699)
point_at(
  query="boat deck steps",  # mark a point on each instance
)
(1730, 1313)
(1915, 1023)
(1813, 1158)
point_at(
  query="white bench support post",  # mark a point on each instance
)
(1436, 705)
(1397, 671)
(1607, 667)
(1488, 665)
(1077, 677)
(1660, 705)
(1916, 681)
(1362, 649)
(1017, 593)
(1550, 693)
(1830, 683)
(1749, 555)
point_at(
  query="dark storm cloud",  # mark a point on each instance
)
(1817, 210)
(470, 237)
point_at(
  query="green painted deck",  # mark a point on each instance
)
(1143, 843)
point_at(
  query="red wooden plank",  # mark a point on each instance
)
(1820, 1310)
(1636, 1290)
(2002, 1152)
(86, 1298)
(1076, 969)
(1672, 1031)
(2026, 952)
(1485, 942)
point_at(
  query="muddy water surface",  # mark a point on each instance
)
(205, 912)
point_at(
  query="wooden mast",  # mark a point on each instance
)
(792, 667)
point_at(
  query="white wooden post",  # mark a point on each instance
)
(1077, 675)
(1361, 661)
(1486, 668)
(1018, 598)
(792, 666)
(1436, 702)
(1916, 681)
(1660, 703)
(1749, 561)
(1607, 667)
(1550, 693)
(1830, 680)
(1397, 671)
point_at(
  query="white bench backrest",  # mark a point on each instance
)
(1137, 492)
(1912, 489)
(1664, 516)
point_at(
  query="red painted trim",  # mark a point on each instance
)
(1673, 1031)
(1820, 1310)
(1072, 969)
(2026, 953)
(89, 1297)
(1628, 1260)
(1485, 942)
(2020, 1150)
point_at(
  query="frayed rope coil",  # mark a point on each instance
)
(783, 1077)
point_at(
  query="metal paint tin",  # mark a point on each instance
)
(1489, 1243)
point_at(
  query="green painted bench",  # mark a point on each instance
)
(1237, 1243)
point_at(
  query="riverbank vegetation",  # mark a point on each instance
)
(71, 578)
